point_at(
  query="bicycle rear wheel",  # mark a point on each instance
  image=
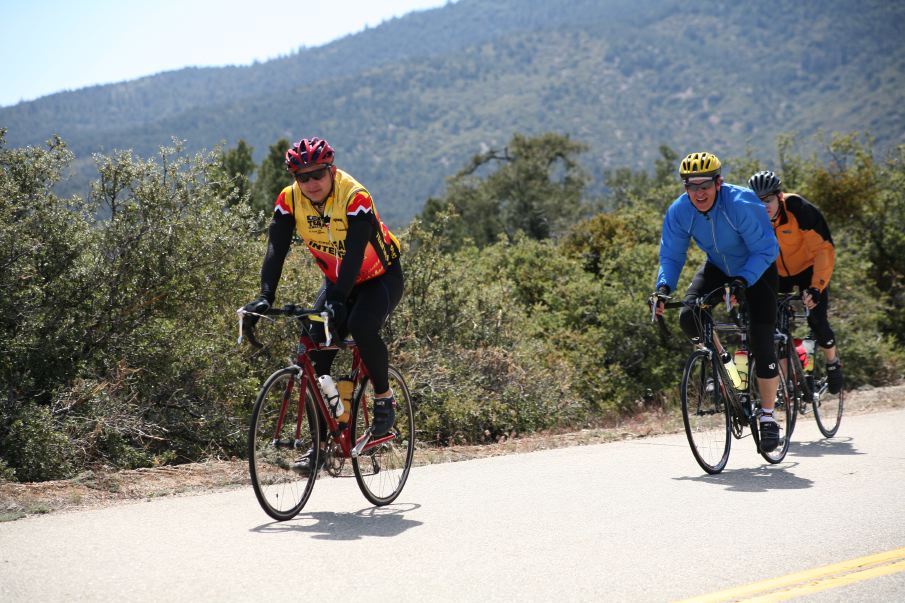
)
(827, 406)
(799, 389)
(381, 470)
(281, 430)
(782, 413)
(705, 412)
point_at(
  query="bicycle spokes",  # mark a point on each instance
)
(704, 413)
(382, 464)
(282, 429)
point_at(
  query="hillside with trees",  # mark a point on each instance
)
(409, 102)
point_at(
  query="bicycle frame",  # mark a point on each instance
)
(786, 317)
(740, 402)
(811, 392)
(282, 481)
(307, 380)
(713, 393)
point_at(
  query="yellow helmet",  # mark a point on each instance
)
(697, 165)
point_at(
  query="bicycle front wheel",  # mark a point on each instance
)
(827, 406)
(382, 468)
(705, 412)
(283, 426)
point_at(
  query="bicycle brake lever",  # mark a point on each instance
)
(326, 316)
(251, 337)
(727, 297)
(241, 313)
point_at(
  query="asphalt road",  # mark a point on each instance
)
(627, 521)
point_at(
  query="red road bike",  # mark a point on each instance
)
(285, 423)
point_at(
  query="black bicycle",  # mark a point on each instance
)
(805, 371)
(714, 409)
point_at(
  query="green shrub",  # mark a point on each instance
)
(466, 395)
(36, 446)
(120, 313)
(118, 325)
(6, 473)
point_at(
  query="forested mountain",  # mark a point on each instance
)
(407, 103)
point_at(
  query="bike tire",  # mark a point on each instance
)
(705, 413)
(381, 471)
(782, 412)
(792, 385)
(827, 407)
(799, 390)
(281, 491)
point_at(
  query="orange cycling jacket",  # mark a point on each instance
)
(804, 241)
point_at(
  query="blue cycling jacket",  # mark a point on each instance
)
(735, 234)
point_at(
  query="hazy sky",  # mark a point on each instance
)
(47, 46)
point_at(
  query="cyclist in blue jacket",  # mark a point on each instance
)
(729, 224)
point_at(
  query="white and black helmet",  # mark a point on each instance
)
(765, 183)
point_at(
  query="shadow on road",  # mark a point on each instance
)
(755, 479)
(373, 521)
(835, 446)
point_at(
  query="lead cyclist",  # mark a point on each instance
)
(337, 219)
(728, 223)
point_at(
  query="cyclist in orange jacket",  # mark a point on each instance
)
(806, 259)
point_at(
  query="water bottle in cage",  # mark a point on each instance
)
(346, 388)
(732, 370)
(809, 347)
(741, 365)
(328, 387)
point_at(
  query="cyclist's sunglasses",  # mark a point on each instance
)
(316, 174)
(700, 186)
(769, 199)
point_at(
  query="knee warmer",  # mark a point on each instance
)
(764, 353)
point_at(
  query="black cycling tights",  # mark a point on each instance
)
(761, 312)
(370, 304)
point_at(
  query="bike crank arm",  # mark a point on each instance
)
(361, 444)
(368, 438)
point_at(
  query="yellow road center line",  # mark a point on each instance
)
(813, 580)
(827, 583)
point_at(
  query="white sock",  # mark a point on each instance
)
(767, 417)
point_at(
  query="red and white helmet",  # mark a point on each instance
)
(308, 152)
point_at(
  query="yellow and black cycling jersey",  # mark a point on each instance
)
(325, 235)
(804, 240)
